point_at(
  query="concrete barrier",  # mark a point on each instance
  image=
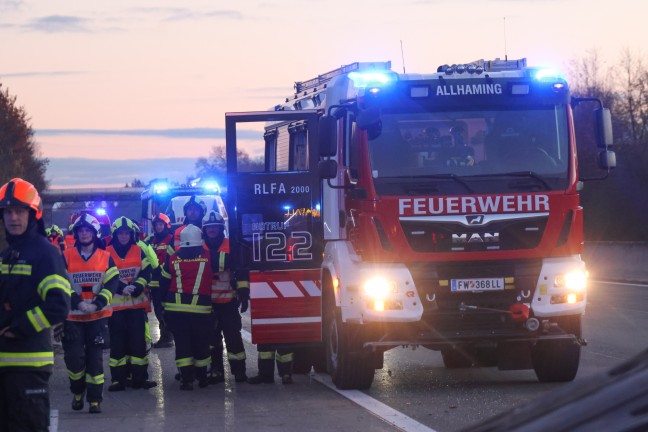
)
(617, 261)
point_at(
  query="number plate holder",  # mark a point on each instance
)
(477, 284)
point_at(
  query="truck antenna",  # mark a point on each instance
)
(505, 51)
(402, 55)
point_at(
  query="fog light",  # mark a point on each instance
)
(571, 298)
(379, 305)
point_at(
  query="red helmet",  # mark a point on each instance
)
(21, 193)
(161, 217)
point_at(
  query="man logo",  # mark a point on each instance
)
(475, 219)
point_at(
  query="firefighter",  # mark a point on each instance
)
(94, 278)
(55, 236)
(186, 286)
(162, 242)
(194, 210)
(127, 324)
(35, 295)
(225, 302)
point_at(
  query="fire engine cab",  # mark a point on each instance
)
(438, 210)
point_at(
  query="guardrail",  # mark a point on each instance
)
(617, 261)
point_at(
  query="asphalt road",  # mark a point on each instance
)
(413, 392)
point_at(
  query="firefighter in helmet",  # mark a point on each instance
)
(128, 323)
(162, 243)
(94, 278)
(230, 290)
(35, 295)
(185, 284)
(56, 237)
(194, 210)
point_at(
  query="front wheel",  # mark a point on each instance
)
(556, 360)
(349, 366)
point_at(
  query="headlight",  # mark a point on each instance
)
(379, 288)
(575, 280)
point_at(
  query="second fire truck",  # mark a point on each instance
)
(438, 210)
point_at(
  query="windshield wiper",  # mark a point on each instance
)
(449, 176)
(529, 174)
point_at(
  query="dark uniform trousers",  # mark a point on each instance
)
(24, 401)
(268, 354)
(128, 345)
(227, 324)
(83, 344)
(191, 343)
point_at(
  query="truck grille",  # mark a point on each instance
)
(425, 236)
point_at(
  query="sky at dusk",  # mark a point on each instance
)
(139, 89)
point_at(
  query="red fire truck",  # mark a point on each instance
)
(438, 210)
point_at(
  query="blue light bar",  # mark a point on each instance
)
(547, 74)
(160, 188)
(100, 211)
(372, 78)
(211, 186)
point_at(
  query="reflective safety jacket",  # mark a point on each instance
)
(186, 281)
(93, 281)
(221, 289)
(134, 269)
(163, 247)
(34, 296)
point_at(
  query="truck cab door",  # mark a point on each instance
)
(275, 222)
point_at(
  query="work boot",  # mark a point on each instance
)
(186, 386)
(95, 408)
(286, 379)
(178, 376)
(241, 377)
(260, 379)
(116, 386)
(77, 402)
(144, 385)
(216, 378)
(204, 383)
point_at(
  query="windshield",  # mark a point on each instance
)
(472, 151)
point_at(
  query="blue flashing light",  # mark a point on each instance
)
(547, 74)
(318, 207)
(100, 211)
(287, 207)
(160, 188)
(371, 78)
(211, 186)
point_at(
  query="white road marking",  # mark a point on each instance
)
(377, 408)
(621, 283)
(54, 420)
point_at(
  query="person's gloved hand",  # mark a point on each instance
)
(128, 290)
(87, 307)
(243, 297)
(57, 329)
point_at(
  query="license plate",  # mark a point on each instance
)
(477, 284)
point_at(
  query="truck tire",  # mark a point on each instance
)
(556, 360)
(350, 367)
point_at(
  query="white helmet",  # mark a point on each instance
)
(190, 236)
(213, 218)
(89, 221)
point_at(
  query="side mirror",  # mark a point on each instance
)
(327, 169)
(607, 159)
(326, 133)
(604, 127)
(368, 118)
